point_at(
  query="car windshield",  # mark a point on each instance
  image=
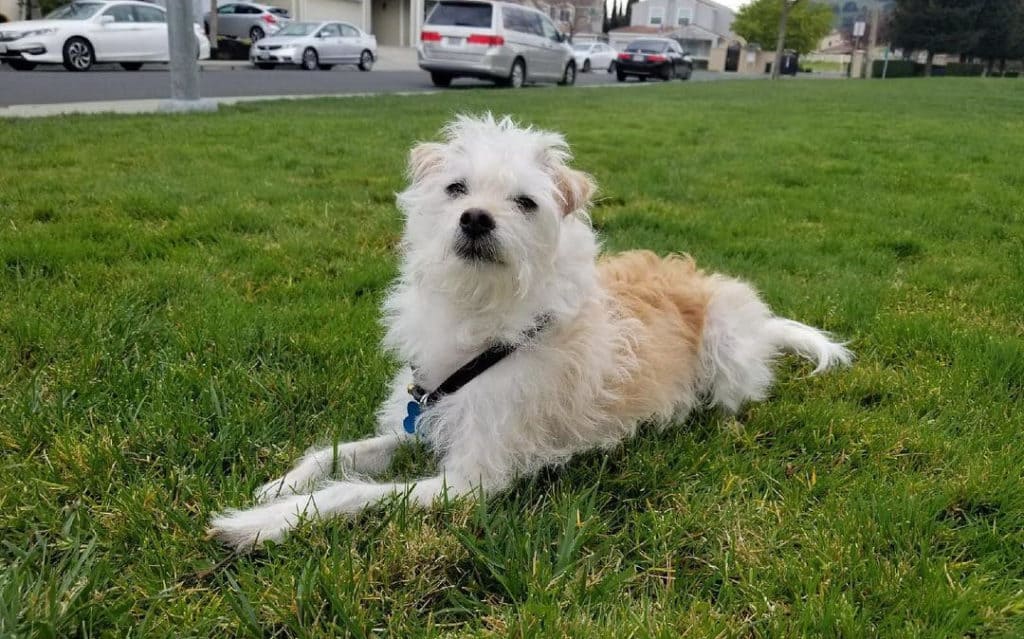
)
(461, 14)
(647, 46)
(75, 11)
(278, 11)
(581, 47)
(298, 29)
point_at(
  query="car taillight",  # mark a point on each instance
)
(269, 18)
(486, 40)
(430, 36)
(625, 56)
(655, 58)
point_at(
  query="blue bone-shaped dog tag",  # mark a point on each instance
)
(412, 412)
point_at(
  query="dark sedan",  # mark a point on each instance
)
(654, 57)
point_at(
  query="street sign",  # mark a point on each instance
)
(858, 29)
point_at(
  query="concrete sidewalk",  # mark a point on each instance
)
(388, 59)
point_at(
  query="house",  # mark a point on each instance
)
(698, 25)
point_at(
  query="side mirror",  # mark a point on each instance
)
(106, 19)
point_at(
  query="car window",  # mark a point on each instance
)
(329, 31)
(75, 11)
(226, 9)
(278, 11)
(121, 13)
(348, 31)
(652, 46)
(549, 30)
(461, 14)
(149, 14)
(248, 9)
(516, 20)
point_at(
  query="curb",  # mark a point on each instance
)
(161, 105)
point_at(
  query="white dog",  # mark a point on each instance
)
(522, 348)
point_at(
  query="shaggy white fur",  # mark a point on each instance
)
(632, 339)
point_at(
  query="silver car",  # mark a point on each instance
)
(248, 20)
(508, 43)
(316, 45)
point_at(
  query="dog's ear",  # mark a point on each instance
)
(424, 159)
(575, 188)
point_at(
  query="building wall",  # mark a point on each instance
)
(706, 15)
(10, 10)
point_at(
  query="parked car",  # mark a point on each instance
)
(81, 34)
(248, 20)
(594, 55)
(316, 45)
(654, 57)
(508, 43)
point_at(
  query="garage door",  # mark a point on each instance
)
(346, 10)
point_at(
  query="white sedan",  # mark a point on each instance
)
(316, 45)
(594, 55)
(81, 34)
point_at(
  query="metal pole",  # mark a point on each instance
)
(184, 50)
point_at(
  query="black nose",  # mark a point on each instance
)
(476, 222)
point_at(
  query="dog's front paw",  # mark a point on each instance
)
(246, 530)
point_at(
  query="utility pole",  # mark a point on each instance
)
(212, 34)
(781, 43)
(872, 41)
(181, 40)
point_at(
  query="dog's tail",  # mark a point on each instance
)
(808, 342)
(741, 339)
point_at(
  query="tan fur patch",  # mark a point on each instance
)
(668, 297)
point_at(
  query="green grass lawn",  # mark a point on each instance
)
(188, 302)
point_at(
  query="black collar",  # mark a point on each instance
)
(474, 367)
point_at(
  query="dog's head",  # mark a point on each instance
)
(485, 207)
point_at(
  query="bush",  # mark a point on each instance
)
(896, 69)
(958, 69)
(1011, 74)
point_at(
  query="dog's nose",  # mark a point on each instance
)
(476, 222)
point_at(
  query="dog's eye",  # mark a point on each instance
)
(525, 204)
(456, 189)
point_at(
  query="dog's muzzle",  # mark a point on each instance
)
(476, 240)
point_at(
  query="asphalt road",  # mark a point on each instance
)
(55, 85)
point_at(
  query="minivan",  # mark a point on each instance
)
(507, 43)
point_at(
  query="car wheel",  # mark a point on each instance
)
(21, 65)
(586, 66)
(310, 60)
(668, 73)
(266, 66)
(611, 66)
(441, 79)
(131, 66)
(517, 76)
(569, 75)
(365, 60)
(642, 78)
(256, 33)
(620, 76)
(686, 74)
(78, 54)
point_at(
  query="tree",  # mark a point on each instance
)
(805, 25)
(936, 26)
(998, 28)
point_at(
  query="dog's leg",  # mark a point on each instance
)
(246, 529)
(366, 456)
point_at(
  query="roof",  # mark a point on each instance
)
(686, 32)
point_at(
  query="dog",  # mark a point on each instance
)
(522, 346)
